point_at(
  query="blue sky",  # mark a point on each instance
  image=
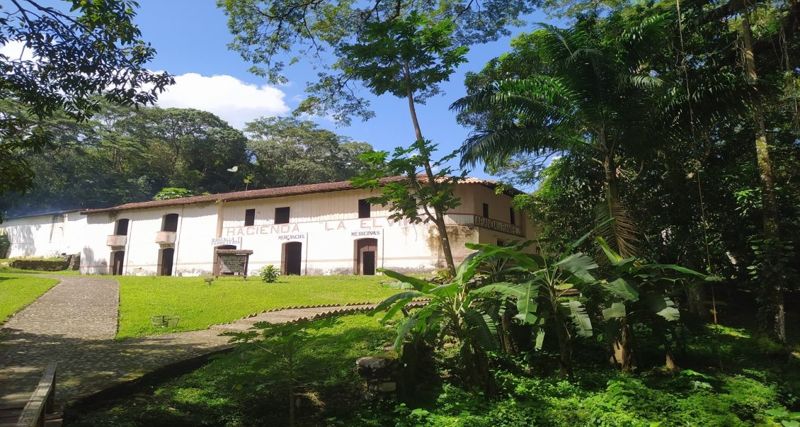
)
(191, 36)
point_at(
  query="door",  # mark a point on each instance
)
(292, 258)
(167, 256)
(366, 256)
(368, 263)
(118, 263)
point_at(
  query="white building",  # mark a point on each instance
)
(45, 235)
(312, 229)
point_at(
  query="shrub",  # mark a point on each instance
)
(5, 245)
(168, 193)
(40, 264)
(269, 274)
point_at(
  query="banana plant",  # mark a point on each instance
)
(639, 290)
(546, 292)
(449, 312)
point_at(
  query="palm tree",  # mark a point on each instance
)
(580, 90)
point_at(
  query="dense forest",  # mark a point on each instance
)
(127, 154)
(679, 121)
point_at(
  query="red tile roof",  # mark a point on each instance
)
(265, 193)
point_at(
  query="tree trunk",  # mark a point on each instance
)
(482, 372)
(669, 362)
(505, 336)
(671, 336)
(623, 347)
(444, 240)
(695, 301)
(564, 345)
(774, 310)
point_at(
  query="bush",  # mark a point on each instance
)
(269, 274)
(5, 245)
(40, 264)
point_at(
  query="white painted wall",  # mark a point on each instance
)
(326, 224)
(45, 235)
(193, 253)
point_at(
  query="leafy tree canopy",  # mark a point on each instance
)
(274, 33)
(288, 151)
(69, 59)
(123, 155)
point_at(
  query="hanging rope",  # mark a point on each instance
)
(703, 220)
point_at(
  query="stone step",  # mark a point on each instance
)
(283, 316)
(232, 327)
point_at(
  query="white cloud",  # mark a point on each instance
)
(226, 96)
(15, 50)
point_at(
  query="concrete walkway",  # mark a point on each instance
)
(74, 324)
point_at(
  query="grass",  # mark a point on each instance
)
(17, 291)
(10, 270)
(249, 385)
(199, 305)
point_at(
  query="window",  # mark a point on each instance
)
(282, 215)
(363, 208)
(486, 210)
(122, 227)
(511, 217)
(249, 217)
(170, 223)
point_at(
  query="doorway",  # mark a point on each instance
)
(167, 259)
(291, 260)
(366, 256)
(117, 262)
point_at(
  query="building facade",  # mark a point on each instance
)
(44, 235)
(313, 229)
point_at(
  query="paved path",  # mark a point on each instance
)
(74, 324)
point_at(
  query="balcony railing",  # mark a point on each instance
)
(116, 241)
(166, 237)
(488, 223)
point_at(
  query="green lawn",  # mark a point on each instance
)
(199, 305)
(17, 291)
(249, 387)
(10, 270)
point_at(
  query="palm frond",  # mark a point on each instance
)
(580, 318)
(619, 229)
(482, 328)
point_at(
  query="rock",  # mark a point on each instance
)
(374, 368)
(387, 387)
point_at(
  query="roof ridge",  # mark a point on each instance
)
(259, 193)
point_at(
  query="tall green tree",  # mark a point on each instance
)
(408, 58)
(771, 245)
(189, 148)
(424, 192)
(287, 151)
(698, 196)
(69, 59)
(273, 33)
(581, 89)
(124, 154)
